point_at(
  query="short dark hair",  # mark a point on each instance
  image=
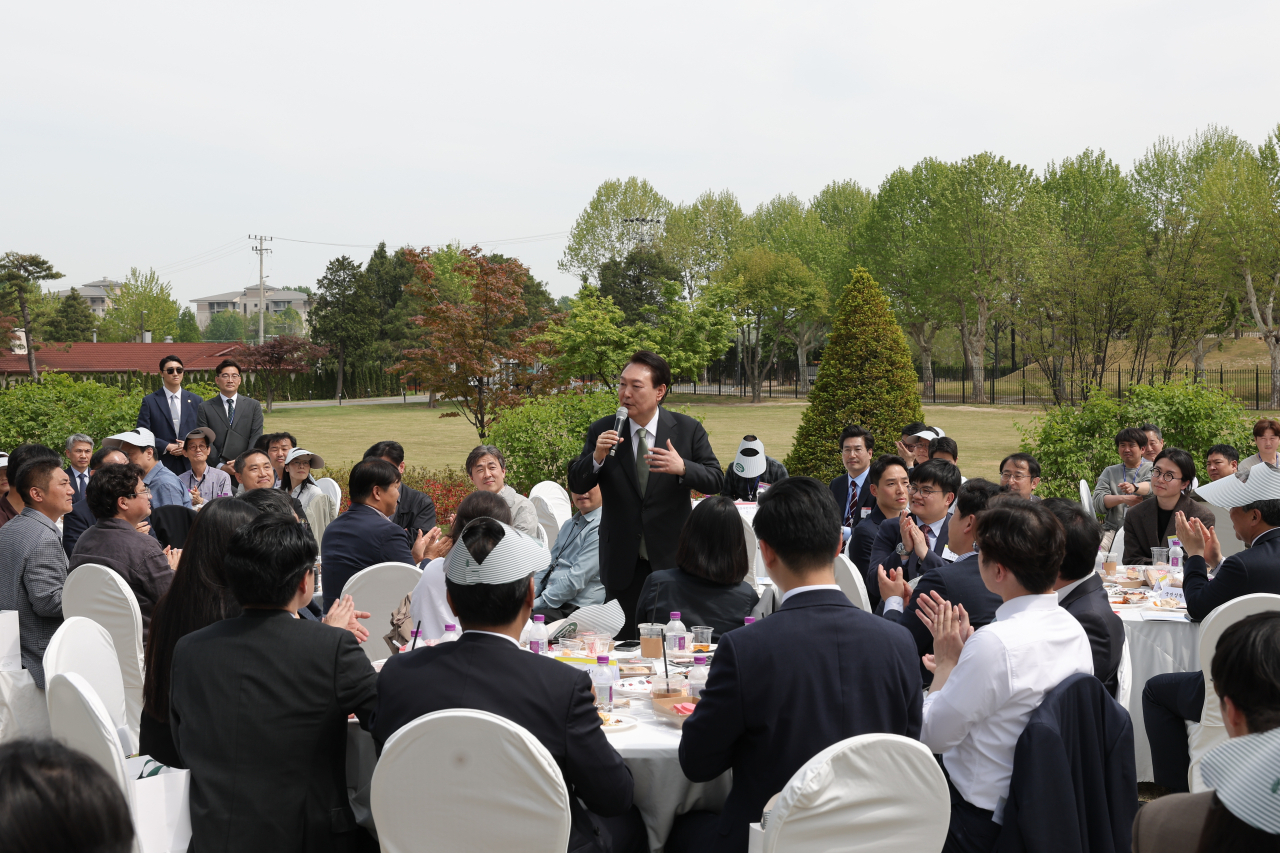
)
(243, 458)
(228, 362)
(486, 604)
(1152, 428)
(659, 370)
(938, 472)
(1227, 452)
(799, 519)
(1083, 537)
(973, 495)
(944, 444)
(1246, 668)
(57, 798)
(914, 427)
(855, 431)
(265, 441)
(1025, 538)
(713, 544)
(883, 462)
(480, 505)
(95, 461)
(1182, 459)
(480, 452)
(271, 501)
(24, 453)
(267, 559)
(368, 473)
(107, 485)
(35, 473)
(1269, 510)
(392, 451)
(1033, 464)
(169, 358)
(1131, 434)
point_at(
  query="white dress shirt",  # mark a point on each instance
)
(1005, 670)
(1066, 590)
(800, 589)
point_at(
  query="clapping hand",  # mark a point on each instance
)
(343, 614)
(173, 555)
(912, 536)
(1198, 540)
(422, 543)
(438, 544)
(892, 584)
(950, 628)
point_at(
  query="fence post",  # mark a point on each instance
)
(1119, 393)
(1256, 380)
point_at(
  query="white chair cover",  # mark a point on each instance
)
(379, 590)
(851, 582)
(546, 521)
(1086, 496)
(490, 785)
(754, 561)
(1211, 730)
(1117, 544)
(84, 647)
(330, 487)
(768, 602)
(557, 500)
(878, 793)
(96, 592)
(1124, 677)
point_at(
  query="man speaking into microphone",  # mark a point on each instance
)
(645, 484)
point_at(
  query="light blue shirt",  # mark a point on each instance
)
(165, 488)
(574, 567)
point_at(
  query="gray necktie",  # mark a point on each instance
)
(175, 412)
(642, 475)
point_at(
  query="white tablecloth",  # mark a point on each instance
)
(23, 710)
(1155, 648)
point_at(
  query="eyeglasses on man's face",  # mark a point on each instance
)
(145, 493)
(173, 371)
(1017, 477)
(917, 490)
(228, 376)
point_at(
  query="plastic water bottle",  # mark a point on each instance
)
(676, 634)
(748, 620)
(602, 683)
(1175, 558)
(698, 675)
(538, 635)
(416, 641)
(450, 633)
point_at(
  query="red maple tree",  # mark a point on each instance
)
(278, 357)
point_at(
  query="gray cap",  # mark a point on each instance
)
(517, 556)
(1245, 772)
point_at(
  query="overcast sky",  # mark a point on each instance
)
(161, 135)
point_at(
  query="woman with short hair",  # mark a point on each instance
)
(1151, 523)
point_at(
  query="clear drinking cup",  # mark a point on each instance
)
(662, 687)
(1159, 556)
(701, 638)
(651, 640)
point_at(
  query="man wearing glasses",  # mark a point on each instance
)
(170, 413)
(903, 542)
(236, 421)
(1020, 474)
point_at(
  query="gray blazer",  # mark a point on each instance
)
(230, 440)
(1109, 484)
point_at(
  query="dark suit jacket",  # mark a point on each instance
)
(258, 711)
(357, 539)
(1140, 534)
(415, 511)
(720, 606)
(864, 536)
(959, 583)
(154, 415)
(74, 524)
(840, 491)
(660, 512)
(883, 553)
(777, 695)
(75, 483)
(1171, 824)
(1074, 778)
(1105, 630)
(1256, 569)
(739, 488)
(230, 441)
(552, 701)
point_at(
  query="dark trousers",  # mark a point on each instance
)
(693, 832)
(553, 614)
(629, 597)
(972, 829)
(1168, 701)
(627, 832)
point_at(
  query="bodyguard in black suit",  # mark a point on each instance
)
(856, 446)
(259, 705)
(785, 688)
(888, 484)
(236, 421)
(933, 489)
(486, 670)
(646, 496)
(156, 414)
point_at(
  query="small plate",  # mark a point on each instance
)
(619, 723)
(638, 685)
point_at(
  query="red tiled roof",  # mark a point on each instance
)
(109, 358)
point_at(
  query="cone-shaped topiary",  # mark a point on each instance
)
(866, 377)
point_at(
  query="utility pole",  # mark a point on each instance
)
(262, 288)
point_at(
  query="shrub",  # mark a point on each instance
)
(865, 377)
(203, 390)
(541, 437)
(1075, 444)
(47, 412)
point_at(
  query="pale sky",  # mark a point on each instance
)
(162, 134)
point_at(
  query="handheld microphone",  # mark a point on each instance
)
(620, 418)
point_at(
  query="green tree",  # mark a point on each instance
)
(621, 215)
(73, 321)
(144, 302)
(20, 278)
(345, 316)
(188, 328)
(865, 378)
(634, 283)
(543, 435)
(700, 238)
(593, 339)
(690, 334)
(841, 208)
(226, 326)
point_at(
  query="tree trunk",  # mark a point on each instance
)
(1263, 318)
(431, 401)
(1198, 356)
(802, 359)
(342, 363)
(26, 331)
(923, 335)
(973, 335)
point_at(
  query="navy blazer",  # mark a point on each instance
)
(1074, 777)
(785, 688)
(1255, 569)
(864, 536)
(154, 415)
(883, 553)
(959, 583)
(840, 491)
(1104, 628)
(74, 523)
(75, 483)
(357, 539)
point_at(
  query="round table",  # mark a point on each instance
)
(1155, 647)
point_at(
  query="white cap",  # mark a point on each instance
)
(1263, 484)
(4, 459)
(140, 437)
(750, 461)
(1243, 771)
(298, 453)
(930, 435)
(516, 556)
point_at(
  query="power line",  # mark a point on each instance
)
(236, 242)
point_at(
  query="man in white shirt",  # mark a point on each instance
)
(987, 683)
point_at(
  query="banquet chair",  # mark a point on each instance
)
(1086, 497)
(851, 583)
(557, 499)
(158, 804)
(767, 604)
(379, 590)
(84, 647)
(98, 593)
(330, 487)
(1124, 676)
(876, 792)
(1211, 730)
(490, 784)
(546, 520)
(754, 560)
(1117, 544)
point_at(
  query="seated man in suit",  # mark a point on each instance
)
(959, 582)
(889, 485)
(170, 413)
(258, 706)
(987, 683)
(80, 519)
(1080, 590)
(783, 689)
(850, 489)
(1020, 474)
(489, 577)
(932, 491)
(415, 511)
(79, 452)
(254, 471)
(365, 535)
(1248, 687)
